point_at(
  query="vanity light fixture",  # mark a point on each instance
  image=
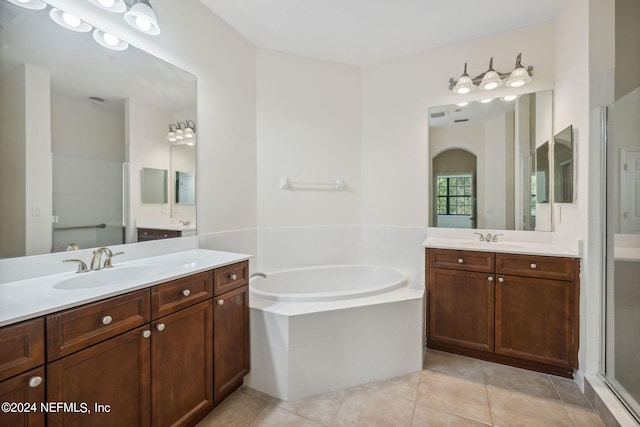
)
(115, 6)
(29, 4)
(491, 79)
(182, 132)
(142, 17)
(108, 40)
(509, 98)
(462, 104)
(69, 21)
(486, 101)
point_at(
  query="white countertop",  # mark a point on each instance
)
(173, 227)
(26, 299)
(509, 241)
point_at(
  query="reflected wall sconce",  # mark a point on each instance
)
(115, 6)
(492, 79)
(29, 4)
(142, 17)
(182, 132)
(69, 21)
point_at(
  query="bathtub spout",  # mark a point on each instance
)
(257, 274)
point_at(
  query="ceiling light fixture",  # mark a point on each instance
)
(115, 6)
(491, 79)
(69, 21)
(142, 17)
(109, 41)
(29, 4)
(182, 132)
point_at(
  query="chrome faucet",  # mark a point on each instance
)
(82, 267)
(481, 238)
(495, 237)
(488, 238)
(96, 260)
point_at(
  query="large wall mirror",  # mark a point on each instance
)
(80, 123)
(482, 163)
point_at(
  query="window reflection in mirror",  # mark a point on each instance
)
(563, 166)
(501, 137)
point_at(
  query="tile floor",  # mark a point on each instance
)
(451, 390)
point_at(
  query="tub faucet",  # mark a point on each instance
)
(257, 274)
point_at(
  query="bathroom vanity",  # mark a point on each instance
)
(165, 353)
(518, 308)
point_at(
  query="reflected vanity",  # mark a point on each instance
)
(108, 113)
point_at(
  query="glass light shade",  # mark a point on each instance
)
(171, 136)
(509, 97)
(188, 132)
(29, 4)
(464, 85)
(142, 17)
(69, 21)
(519, 77)
(491, 80)
(179, 134)
(462, 104)
(115, 6)
(486, 101)
(109, 41)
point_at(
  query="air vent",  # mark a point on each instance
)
(460, 120)
(436, 115)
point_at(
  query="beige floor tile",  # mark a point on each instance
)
(454, 364)
(425, 416)
(365, 407)
(272, 416)
(405, 386)
(528, 382)
(453, 394)
(257, 394)
(239, 409)
(512, 408)
(569, 392)
(584, 417)
(320, 409)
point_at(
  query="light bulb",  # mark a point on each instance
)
(107, 3)
(486, 101)
(462, 104)
(110, 39)
(491, 85)
(143, 23)
(517, 83)
(71, 20)
(509, 97)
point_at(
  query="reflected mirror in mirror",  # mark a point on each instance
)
(542, 173)
(154, 185)
(563, 166)
(82, 162)
(482, 162)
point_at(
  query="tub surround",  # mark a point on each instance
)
(509, 241)
(32, 297)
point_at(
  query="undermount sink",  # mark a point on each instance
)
(109, 276)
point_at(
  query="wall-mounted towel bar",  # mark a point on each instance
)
(287, 184)
(79, 227)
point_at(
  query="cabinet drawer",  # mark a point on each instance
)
(461, 260)
(230, 277)
(537, 266)
(21, 347)
(145, 234)
(180, 293)
(78, 328)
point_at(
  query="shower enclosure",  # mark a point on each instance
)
(622, 319)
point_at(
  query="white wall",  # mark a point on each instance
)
(308, 130)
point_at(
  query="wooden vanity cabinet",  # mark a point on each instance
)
(230, 328)
(520, 310)
(22, 372)
(146, 234)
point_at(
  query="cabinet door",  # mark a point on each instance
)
(114, 373)
(461, 308)
(24, 388)
(231, 345)
(181, 366)
(535, 319)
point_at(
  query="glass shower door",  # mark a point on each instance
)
(622, 343)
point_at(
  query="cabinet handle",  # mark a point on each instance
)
(160, 327)
(490, 278)
(220, 302)
(233, 277)
(106, 320)
(35, 382)
(460, 260)
(186, 292)
(146, 333)
(500, 279)
(165, 235)
(533, 265)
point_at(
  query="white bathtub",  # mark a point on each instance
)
(327, 283)
(325, 328)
